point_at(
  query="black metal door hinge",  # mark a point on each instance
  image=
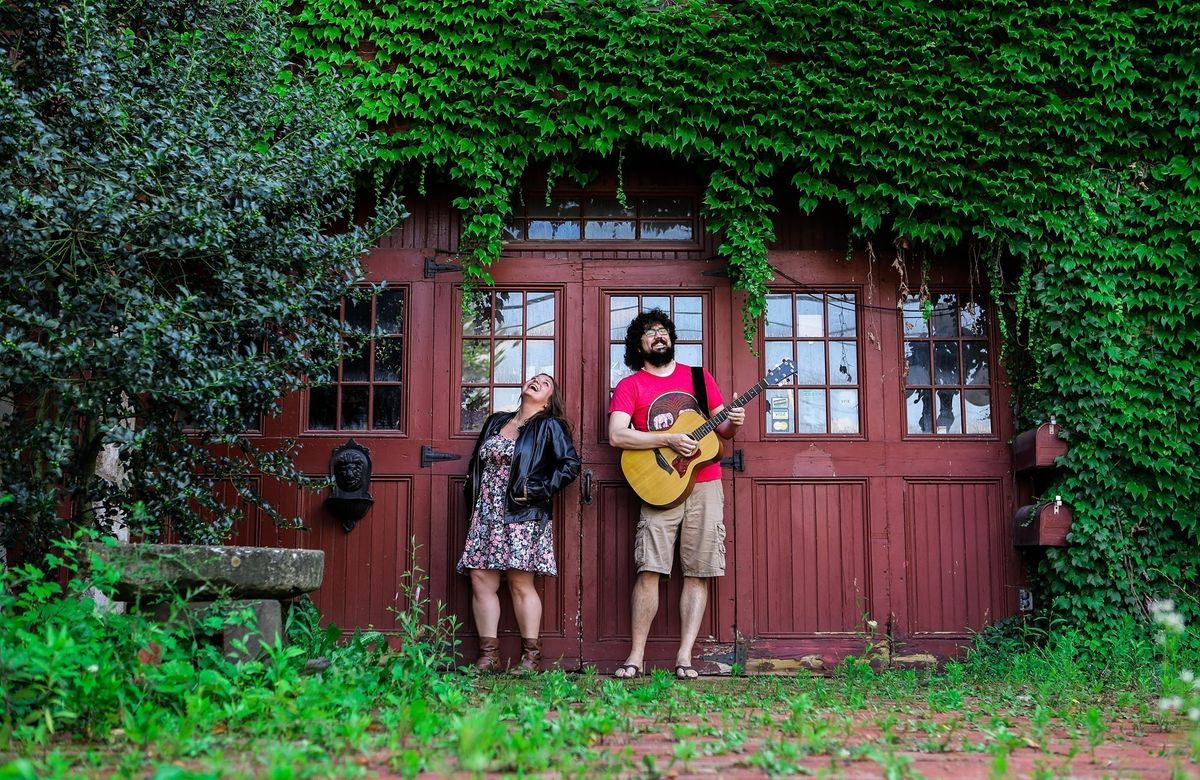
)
(736, 461)
(433, 268)
(430, 456)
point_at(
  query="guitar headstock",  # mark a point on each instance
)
(780, 372)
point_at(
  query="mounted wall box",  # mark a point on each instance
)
(1038, 522)
(1042, 525)
(1038, 448)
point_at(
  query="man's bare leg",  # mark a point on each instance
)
(644, 606)
(692, 601)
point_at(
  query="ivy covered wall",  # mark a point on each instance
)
(1055, 139)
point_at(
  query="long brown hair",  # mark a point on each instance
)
(555, 407)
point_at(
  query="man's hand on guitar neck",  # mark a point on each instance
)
(733, 421)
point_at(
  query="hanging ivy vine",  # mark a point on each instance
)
(1058, 137)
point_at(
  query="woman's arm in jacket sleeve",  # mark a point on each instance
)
(566, 464)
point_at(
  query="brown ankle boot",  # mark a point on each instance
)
(531, 657)
(489, 655)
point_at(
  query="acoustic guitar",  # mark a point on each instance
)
(662, 477)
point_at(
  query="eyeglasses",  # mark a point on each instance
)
(656, 332)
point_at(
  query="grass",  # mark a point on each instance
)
(92, 702)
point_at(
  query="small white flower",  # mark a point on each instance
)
(871, 624)
(1194, 713)
(1169, 703)
(93, 668)
(1187, 675)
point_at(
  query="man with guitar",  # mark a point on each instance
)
(644, 407)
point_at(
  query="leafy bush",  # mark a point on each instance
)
(175, 203)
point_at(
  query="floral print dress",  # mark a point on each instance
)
(493, 543)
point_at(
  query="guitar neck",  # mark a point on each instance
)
(721, 416)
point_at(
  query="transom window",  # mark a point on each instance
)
(369, 383)
(819, 331)
(603, 219)
(686, 311)
(506, 340)
(947, 388)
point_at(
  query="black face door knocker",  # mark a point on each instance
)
(350, 471)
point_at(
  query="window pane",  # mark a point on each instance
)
(945, 315)
(539, 358)
(322, 408)
(387, 408)
(916, 357)
(780, 414)
(616, 364)
(843, 411)
(947, 418)
(354, 407)
(920, 418)
(540, 314)
(607, 207)
(506, 399)
(513, 231)
(553, 230)
(390, 313)
(478, 322)
(776, 351)
(978, 412)
(779, 316)
(843, 363)
(621, 311)
(473, 409)
(356, 361)
(510, 362)
(810, 315)
(975, 363)
(812, 411)
(667, 231)
(810, 362)
(842, 315)
(558, 207)
(689, 354)
(666, 207)
(914, 318)
(510, 314)
(689, 325)
(945, 361)
(972, 320)
(389, 360)
(358, 315)
(476, 361)
(656, 302)
(609, 230)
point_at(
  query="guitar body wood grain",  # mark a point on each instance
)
(662, 477)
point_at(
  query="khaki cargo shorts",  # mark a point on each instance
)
(699, 525)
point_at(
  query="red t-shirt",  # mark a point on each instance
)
(654, 402)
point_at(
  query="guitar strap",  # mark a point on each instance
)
(701, 388)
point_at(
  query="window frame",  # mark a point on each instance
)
(521, 213)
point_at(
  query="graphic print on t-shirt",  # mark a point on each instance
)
(665, 409)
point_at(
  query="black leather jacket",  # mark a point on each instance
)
(544, 462)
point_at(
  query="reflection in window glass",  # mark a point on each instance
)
(953, 395)
(602, 219)
(501, 351)
(367, 391)
(686, 311)
(819, 330)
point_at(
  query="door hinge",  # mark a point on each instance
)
(429, 456)
(433, 268)
(736, 461)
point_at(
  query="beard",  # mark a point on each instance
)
(659, 358)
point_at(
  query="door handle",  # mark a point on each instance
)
(585, 494)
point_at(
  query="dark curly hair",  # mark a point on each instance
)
(633, 336)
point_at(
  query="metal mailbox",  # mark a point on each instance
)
(1042, 525)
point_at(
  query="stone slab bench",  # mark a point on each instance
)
(217, 577)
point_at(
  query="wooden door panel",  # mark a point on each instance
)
(958, 545)
(810, 562)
